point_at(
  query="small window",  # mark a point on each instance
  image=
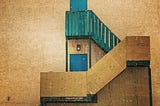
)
(78, 5)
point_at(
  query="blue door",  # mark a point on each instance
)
(78, 5)
(78, 62)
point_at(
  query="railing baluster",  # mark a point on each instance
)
(78, 24)
(97, 27)
(70, 24)
(84, 21)
(67, 24)
(73, 23)
(104, 35)
(92, 23)
(107, 39)
(118, 40)
(111, 40)
(83, 24)
(102, 40)
(87, 24)
(115, 40)
(99, 31)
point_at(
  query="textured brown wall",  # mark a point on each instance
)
(32, 40)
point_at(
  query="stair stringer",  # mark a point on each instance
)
(132, 48)
(100, 74)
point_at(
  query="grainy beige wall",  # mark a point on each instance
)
(32, 39)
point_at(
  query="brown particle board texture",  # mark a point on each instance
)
(129, 88)
(138, 48)
(61, 84)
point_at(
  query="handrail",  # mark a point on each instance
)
(86, 23)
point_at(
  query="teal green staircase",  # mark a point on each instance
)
(85, 24)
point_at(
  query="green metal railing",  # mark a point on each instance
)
(86, 23)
